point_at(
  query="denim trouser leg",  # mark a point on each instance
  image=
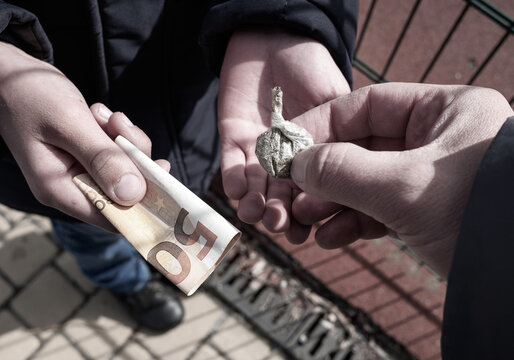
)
(107, 259)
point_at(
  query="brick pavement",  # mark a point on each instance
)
(49, 310)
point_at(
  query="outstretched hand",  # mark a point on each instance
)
(401, 158)
(255, 62)
(53, 135)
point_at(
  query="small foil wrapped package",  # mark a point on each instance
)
(172, 228)
(277, 146)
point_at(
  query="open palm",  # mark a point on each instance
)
(255, 61)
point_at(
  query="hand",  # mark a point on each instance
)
(54, 136)
(256, 61)
(401, 158)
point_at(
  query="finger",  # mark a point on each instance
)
(380, 110)
(361, 179)
(346, 227)
(120, 124)
(115, 124)
(109, 166)
(165, 164)
(251, 207)
(298, 233)
(101, 113)
(233, 163)
(278, 205)
(308, 209)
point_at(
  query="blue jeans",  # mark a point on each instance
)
(107, 259)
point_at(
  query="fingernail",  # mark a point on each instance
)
(299, 166)
(126, 120)
(128, 187)
(104, 113)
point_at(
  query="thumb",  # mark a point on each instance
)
(107, 164)
(350, 175)
(115, 173)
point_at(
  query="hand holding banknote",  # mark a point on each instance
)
(53, 135)
(172, 228)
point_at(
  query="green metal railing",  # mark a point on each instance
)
(484, 7)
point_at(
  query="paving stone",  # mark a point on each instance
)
(376, 298)
(58, 348)
(355, 284)
(5, 225)
(12, 215)
(413, 329)
(133, 351)
(208, 353)
(101, 327)
(201, 316)
(6, 291)
(42, 223)
(428, 348)
(24, 251)
(275, 356)
(336, 268)
(373, 250)
(235, 339)
(311, 256)
(15, 341)
(68, 264)
(47, 300)
(195, 351)
(394, 314)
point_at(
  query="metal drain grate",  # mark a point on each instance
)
(295, 318)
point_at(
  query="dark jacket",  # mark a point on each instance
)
(144, 58)
(479, 308)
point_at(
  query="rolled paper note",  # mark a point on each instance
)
(172, 228)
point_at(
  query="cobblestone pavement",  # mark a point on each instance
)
(49, 310)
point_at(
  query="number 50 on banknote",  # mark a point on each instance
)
(172, 228)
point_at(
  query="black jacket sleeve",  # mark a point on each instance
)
(332, 22)
(22, 29)
(479, 309)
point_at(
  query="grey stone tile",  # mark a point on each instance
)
(5, 225)
(42, 222)
(23, 251)
(193, 352)
(202, 314)
(207, 353)
(6, 291)
(58, 348)
(276, 355)
(15, 341)
(236, 339)
(47, 300)
(133, 351)
(101, 327)
(68, 265)
(11, 215)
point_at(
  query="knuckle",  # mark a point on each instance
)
(321, 172)
(44, 195)
(95, 107)
(102, 162)
(145, 144)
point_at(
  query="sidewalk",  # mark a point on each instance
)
(49, 310)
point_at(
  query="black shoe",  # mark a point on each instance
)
(155, 306)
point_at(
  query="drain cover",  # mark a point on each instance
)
(290, 314)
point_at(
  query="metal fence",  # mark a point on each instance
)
(498, 48)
